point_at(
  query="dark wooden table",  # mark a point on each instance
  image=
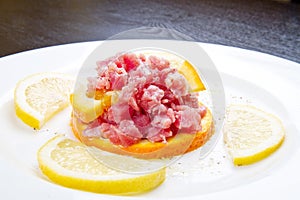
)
(267, 26)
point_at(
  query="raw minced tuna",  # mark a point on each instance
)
(154, 101)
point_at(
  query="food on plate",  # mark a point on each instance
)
(251, 134)
(143, 104)
(38, 97)
(68, 163)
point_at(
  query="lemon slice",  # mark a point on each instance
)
(190, 73)
(251, 134)
(68, 163)
(40, 96)
(88, 109)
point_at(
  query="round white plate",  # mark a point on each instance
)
(249, 77)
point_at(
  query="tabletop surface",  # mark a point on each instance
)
(267, 26)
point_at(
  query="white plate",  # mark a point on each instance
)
(262, 80)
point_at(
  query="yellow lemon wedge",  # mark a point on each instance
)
(88, 109)
(68, 163)
(38, 97)
(251, 134)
